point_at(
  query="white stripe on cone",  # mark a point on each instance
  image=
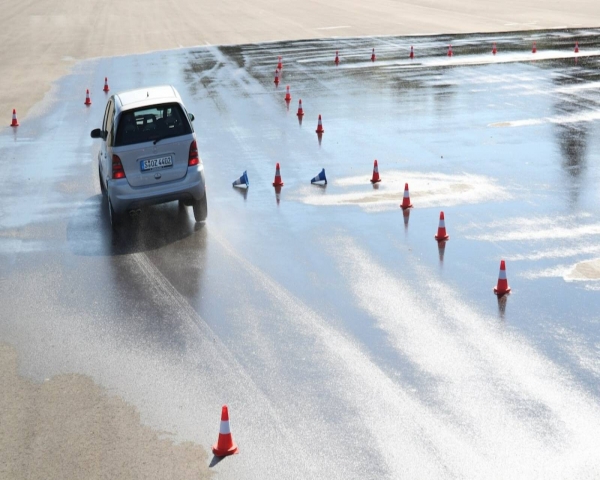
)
(442, 224)
(224, 429)
(502, 275)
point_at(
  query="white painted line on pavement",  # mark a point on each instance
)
(333, 28)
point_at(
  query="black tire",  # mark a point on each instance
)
(200, 208)
(102, 186)
(113, 218)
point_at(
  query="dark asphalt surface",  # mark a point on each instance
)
(345, 342)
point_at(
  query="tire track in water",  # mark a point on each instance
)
(516, 414)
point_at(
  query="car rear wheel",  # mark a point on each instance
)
(200, 208)
(112, 216)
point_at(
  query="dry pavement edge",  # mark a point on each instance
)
(41, 41)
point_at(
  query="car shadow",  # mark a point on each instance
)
(89, 232)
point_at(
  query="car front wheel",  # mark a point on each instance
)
(200, 208)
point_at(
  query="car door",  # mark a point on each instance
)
(102, 150)
(107, 125)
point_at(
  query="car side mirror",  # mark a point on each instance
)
(191, 117)
(97, 133)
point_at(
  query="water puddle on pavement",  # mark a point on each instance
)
(426, 190)
(70, 428)
(588, 270)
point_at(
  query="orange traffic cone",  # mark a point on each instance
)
(502, 287)
(406, 200)
(337, 58)
(300, 111)
(277, 182)
(441, 233)
(412, 53)
(88, 100)
(288, 97)
(576, 47)
(373, 56)
(15, 122)
(375, 178)
(450, 50)
(106, 89)
(225, 445)
(534, 49)
(276, 81)
(494, 49)
(279, 64)
(320, 129)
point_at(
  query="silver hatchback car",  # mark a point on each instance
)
(149, 153)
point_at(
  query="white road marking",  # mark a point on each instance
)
(527, 23)
(333, 28)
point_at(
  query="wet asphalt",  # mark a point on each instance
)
(346, 341)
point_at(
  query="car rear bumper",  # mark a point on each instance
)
(124, 197)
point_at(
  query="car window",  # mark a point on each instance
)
(110, 123)
(106, 116)
(151, 123)
(187, 115)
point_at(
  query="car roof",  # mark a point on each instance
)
(143, 97)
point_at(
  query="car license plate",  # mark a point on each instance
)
(155, 163)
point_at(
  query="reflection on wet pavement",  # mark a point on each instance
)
(331, 313)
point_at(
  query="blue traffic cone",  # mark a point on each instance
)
(320, 178)
(243, 180)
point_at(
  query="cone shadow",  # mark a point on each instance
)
(215, 461)
(375, 186)
(406, 215)
(242, 191)
(320, 137)
(300, 120)
(287, 105)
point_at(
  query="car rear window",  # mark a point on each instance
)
(151, 123)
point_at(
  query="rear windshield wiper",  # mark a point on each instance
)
(162, 138)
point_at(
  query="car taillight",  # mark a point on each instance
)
(193, 158)
(117, 168)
